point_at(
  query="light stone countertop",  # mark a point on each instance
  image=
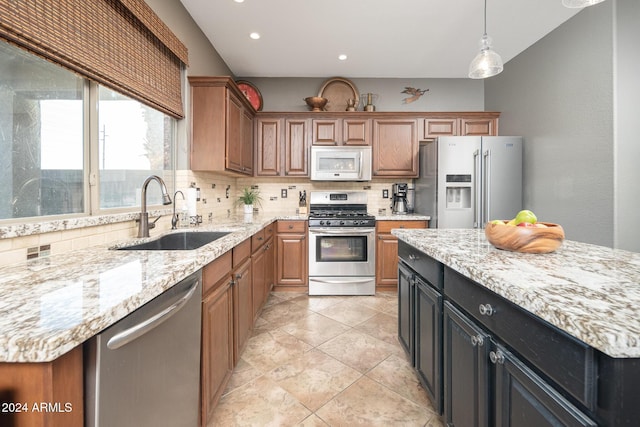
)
(591, 292)
(407, 217)
(50, 305)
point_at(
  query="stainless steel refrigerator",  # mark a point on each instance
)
(466, 181)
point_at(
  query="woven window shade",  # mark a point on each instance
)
(121, 44)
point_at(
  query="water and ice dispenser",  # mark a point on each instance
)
(458, 191)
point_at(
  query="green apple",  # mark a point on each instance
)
(526, 216)
(497, 221)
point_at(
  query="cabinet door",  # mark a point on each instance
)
(270, 267)
(247, 143)
(478, 127)
(428, 344)
(292, 260)
(386, 261)
(395, 148)
(296, 148)
(466, 370)
(325, 132)
(268, 140)
(405, 310)
(242, 307)
(356, 132)
(523, 399)
(258, 265)
(217, 345)
(434, 128)
(234, 133)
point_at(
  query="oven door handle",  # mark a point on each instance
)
(340, 282)
(341, 231)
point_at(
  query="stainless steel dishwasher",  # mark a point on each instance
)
(145, 369)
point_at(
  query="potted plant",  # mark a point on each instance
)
(248, 198)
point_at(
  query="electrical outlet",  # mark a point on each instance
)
(283, 193)
(385, 193)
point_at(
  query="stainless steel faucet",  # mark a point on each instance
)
(174, 217)
(144, 226)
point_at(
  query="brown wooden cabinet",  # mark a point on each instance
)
(262, 265)
(217, 333)
(282, 142)
(395, 148)
(292, 256)
(242, 297)
(387, 252)
(221, 126)
(348, 131)
(56, 382)
(464, 124)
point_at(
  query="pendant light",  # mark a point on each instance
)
(487, 63)
(580, 3)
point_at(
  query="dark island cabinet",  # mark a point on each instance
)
(485, 361)
(420, 318)
(466, 371)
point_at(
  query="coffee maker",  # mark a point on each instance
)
(399, 204)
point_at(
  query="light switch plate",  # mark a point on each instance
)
(283, 193)
(385, 194)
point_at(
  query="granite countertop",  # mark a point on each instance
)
(406, 217)
(49, 306)
(591, 292)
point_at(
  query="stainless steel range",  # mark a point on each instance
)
(341, 244)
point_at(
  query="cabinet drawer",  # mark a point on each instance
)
(291, 227)
(213, 272)
(565, 360)
(387, 226)
(241, 252)
(425, 266)
(257, 240)
(269, 231)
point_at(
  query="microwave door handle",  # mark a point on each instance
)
(361, 164)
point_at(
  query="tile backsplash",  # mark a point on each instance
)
(218, 195)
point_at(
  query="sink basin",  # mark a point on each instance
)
(180, 241)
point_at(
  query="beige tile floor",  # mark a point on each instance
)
(325, 361)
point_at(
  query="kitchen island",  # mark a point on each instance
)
(558, 331)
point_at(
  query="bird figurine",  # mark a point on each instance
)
(417, 93)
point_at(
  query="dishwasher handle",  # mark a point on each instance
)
(125, 337)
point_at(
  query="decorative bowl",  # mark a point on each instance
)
(533, 240)
(316, 103)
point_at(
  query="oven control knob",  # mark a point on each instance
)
(341, 222)
(328, 222)
(321, 222)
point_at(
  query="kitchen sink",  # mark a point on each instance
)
(180, 241)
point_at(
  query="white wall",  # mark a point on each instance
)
(558, 94)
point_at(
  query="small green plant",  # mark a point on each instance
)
(249, 196)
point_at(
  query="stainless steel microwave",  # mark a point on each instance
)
(341, 163)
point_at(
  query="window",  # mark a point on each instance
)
(134, 141)
(49, 146)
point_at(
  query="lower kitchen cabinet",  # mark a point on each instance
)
(292, 255)
(486, 362)
(387, 252)
(262, 266)
(217, 333)
(242, 302)
(466, 371)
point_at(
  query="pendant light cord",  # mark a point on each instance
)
(485, 17)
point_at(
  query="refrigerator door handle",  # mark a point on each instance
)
(477, 189)
(486, 202)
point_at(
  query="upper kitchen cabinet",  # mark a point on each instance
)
(395, 148)
(351, 131)
(221, 126)
(462, 124)
(282, 145)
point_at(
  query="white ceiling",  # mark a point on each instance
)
(382, 38)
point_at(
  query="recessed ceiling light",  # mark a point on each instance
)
(238, 1)
(342, 57)
(254, 36)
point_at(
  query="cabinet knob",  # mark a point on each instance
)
(486, 310)
(496, 357)
(290, 227)
(477, 340)
(238, 276)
